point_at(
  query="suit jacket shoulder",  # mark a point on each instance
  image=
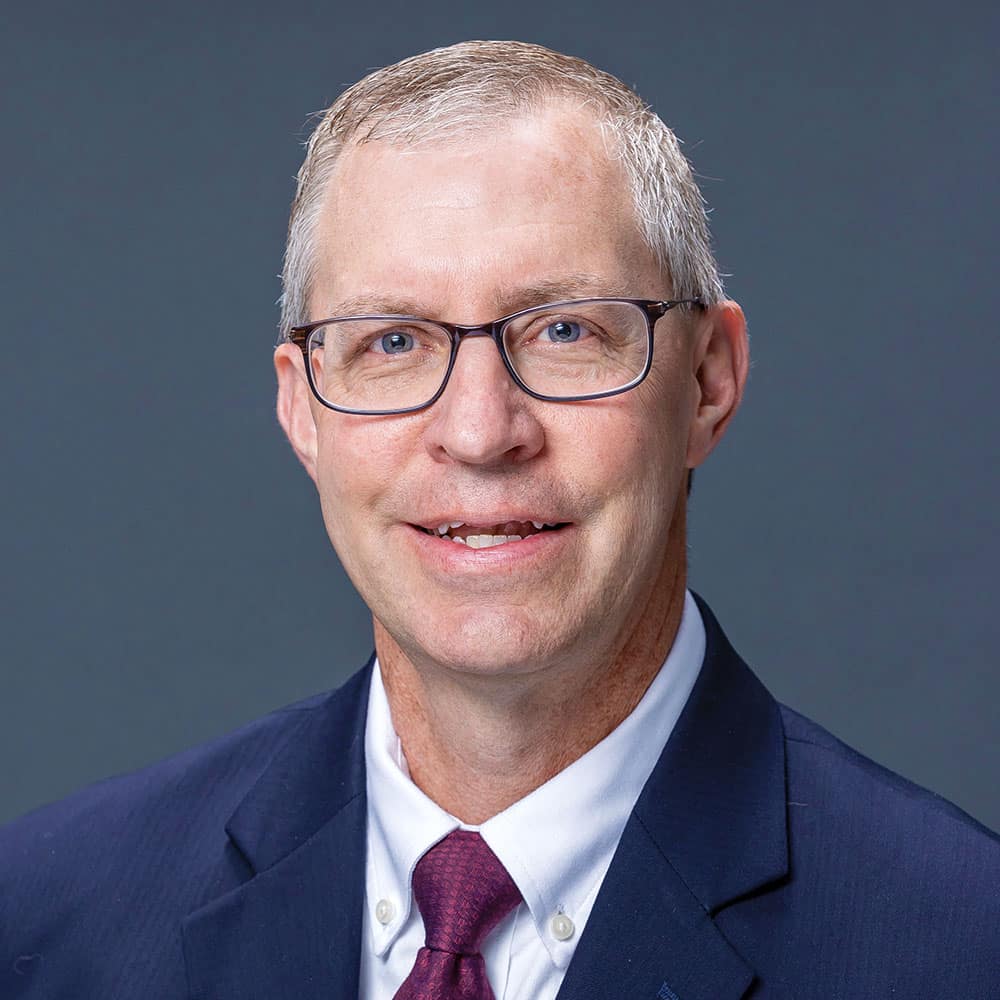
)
(814, 751)
(891, 890)
(93, 888)
(766, 859)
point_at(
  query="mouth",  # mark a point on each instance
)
(483, 536)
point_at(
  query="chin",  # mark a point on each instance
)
(489, 642)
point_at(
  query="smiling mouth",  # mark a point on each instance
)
(483, 536)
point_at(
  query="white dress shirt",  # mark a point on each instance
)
(557, 842)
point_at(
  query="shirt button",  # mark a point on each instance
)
(384, 911)
(562, 927)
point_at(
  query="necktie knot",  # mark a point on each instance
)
(463, 892)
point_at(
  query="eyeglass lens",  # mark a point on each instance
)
(574, 350)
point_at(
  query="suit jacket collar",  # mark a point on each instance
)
(318, 771)
(708, 829)
(294, 929)
(715, 804)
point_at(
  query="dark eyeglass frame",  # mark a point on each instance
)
(652, 309)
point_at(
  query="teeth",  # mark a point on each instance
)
(484, 540)
(487, 541)
(443, 529)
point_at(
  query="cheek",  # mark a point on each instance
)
(640, 435)
(642, 458)
(666, 415)
(356, 465)
(628, 463)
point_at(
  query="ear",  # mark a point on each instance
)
(720, 364)
(295, 405)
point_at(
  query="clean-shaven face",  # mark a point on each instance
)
(467, 232)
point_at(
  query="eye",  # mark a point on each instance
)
(394, 342)
(562, 332)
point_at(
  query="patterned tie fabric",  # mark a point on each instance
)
(463, 892)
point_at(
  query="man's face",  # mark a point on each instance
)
(468, 232)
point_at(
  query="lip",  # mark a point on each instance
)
(442, 554)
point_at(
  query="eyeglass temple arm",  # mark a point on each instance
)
(657, 309)
(299, 336)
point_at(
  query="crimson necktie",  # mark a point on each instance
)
(463, 892)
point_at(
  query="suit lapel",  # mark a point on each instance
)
(709, 828)
(294, 929)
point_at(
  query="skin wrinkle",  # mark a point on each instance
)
(499, 680)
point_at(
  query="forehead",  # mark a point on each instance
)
(466, 222)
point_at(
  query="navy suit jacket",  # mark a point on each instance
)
(763, 859)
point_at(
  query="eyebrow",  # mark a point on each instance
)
(556, 289)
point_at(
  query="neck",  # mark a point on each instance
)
(476, 749)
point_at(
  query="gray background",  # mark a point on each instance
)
(165, 572)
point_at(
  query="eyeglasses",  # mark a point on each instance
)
(561, 352)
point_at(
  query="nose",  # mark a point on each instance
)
(483, 418)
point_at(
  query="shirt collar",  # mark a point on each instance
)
(558, 841)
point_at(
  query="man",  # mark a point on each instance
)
(504, 348)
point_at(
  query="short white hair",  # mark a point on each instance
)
(463, 88)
